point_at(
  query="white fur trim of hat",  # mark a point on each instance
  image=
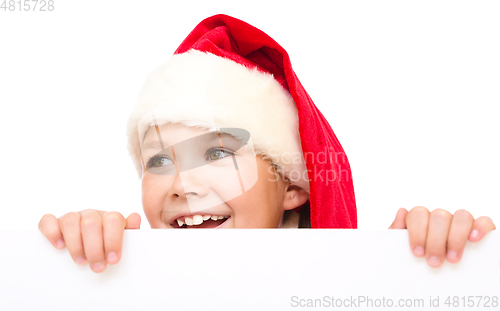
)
(204, 90)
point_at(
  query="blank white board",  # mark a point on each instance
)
(248, 270)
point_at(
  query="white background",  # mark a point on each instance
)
(411, 90)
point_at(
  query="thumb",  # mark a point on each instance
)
(133, 221)
(400, 220)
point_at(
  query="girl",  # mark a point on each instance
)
(225, 136)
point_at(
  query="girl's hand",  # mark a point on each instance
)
(439, 234)
(90, 235)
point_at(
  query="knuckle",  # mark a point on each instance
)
(43, 221)
(419, 210)
(91, 220)
(463, 214)
(50, 229)
(114, 217)
(441, 214)
(69, 219)
(484, 219)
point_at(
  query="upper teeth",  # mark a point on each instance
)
(197, 219)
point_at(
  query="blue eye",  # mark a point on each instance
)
(217, 153)
(159, 161)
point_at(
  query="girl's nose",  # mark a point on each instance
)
(186, 184)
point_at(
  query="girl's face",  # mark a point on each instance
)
(193, 178)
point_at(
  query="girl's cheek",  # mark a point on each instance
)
(153, 212)
(149, 203)
(154, 193)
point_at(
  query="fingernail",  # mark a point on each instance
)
(434, 261)
(98, 267)
(419, 251)
(60, 243)
(451, 255)
(112, 258)
(474, 233)
(81, 260)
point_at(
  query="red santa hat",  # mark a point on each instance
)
(230, 74)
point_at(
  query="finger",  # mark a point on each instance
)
(481, 226)
(133, 221)
(437, 235)
(113, 226)
(460, 229)
(400, 220)
(91, 226)
(70, 228)
(417, 221)
(49, 226)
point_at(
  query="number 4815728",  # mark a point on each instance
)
(27, 5)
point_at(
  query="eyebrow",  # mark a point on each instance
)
(151, 144)
(156, 144)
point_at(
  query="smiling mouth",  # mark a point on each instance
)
(199, 221)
